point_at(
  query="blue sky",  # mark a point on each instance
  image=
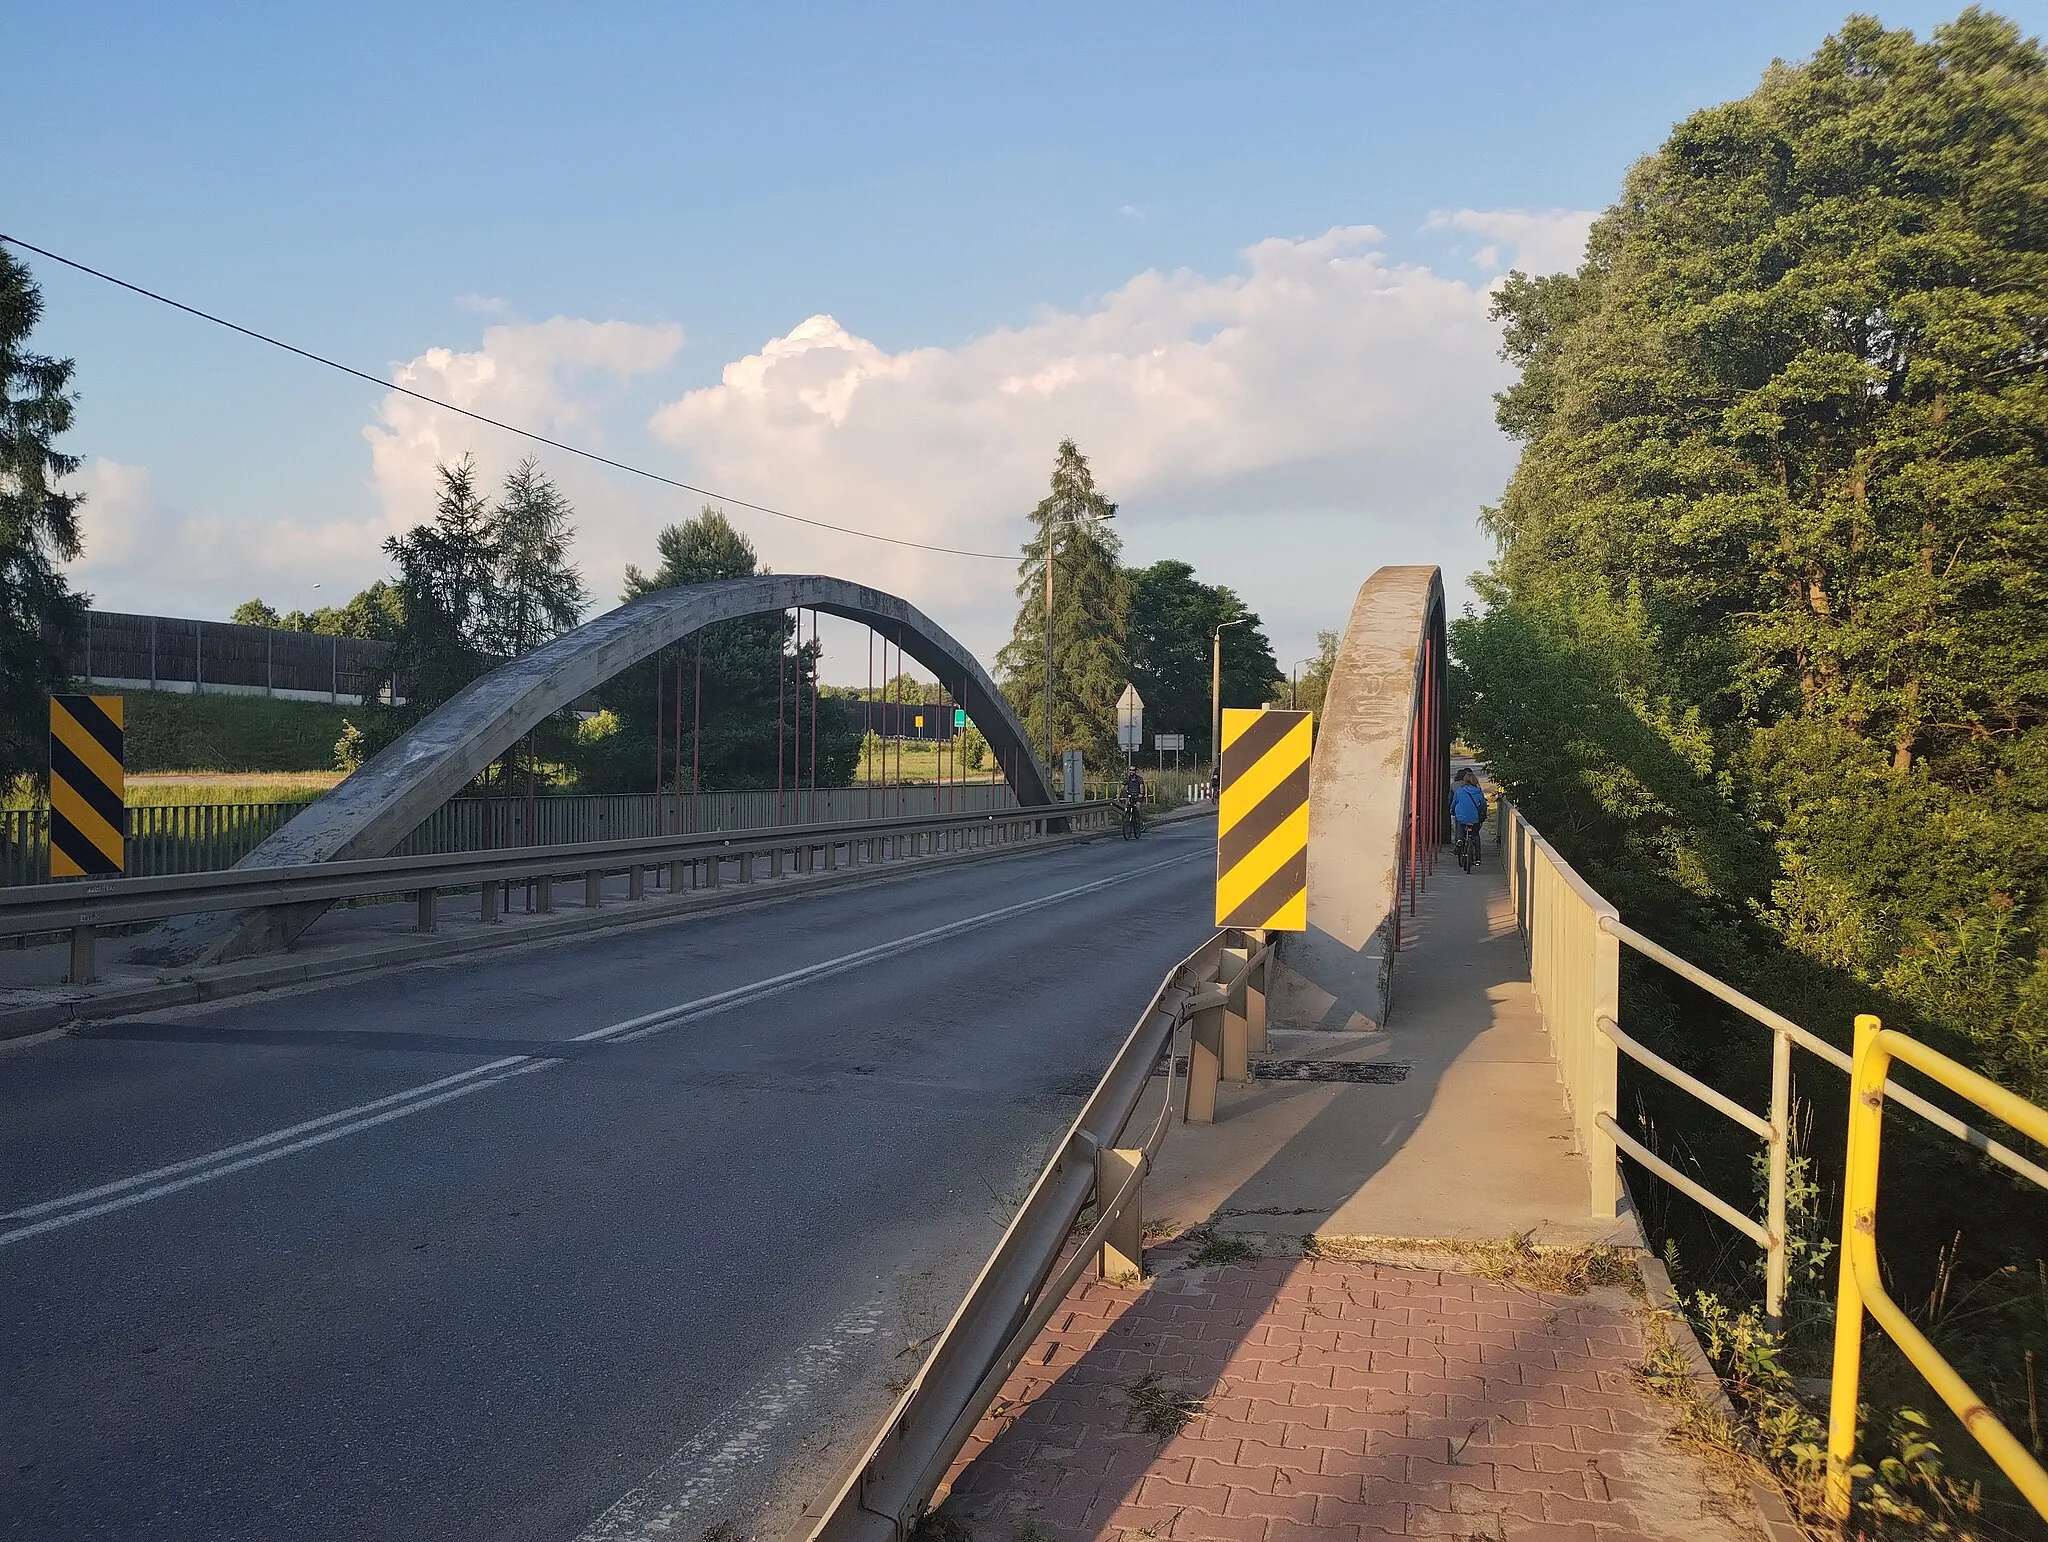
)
(595, 213)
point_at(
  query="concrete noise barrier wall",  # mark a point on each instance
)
(1379, 794)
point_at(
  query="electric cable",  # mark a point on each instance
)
(497, 423)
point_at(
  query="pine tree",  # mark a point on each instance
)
(1090, 609)
(447, 574)
(536, 593)
(40, 617)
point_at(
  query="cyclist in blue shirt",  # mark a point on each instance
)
(1468, 813)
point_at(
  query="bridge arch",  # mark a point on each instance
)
(1379, 802)
(380, 804)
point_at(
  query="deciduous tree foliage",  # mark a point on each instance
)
(40, 617)
(1174, 617)
(1091, 608)
(732, 727)
(1766, 645)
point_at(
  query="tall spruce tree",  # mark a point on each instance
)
(40, 617)
(447, 574)
(536, 592)
(1091, 604)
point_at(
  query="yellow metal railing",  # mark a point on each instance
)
(1862, 1285)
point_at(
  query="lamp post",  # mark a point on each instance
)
(1294, 679)
(1216, 694)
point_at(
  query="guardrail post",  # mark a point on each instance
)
(747, 867)
(636, 882)
(427, 920)
(593, 889)
(713, 870)
(488, 904)
(775, 863)
(1859, 1214)
(544, 893)
(1255, 997)
(1205, 1059)
(675, 875)
(84, 945)
(1231, 968)
(1601, 1059)
(831, 856)
(1123, 1245)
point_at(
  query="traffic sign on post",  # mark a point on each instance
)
(88, 787)
(1130, 720)
(1262, 820)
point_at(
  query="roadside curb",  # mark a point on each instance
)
(230, 980)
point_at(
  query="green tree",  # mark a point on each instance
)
(446, 574)
(1173, 621)
(1091, 606)
(254, 613)
(1766, 639)
(40, 617)
(536, 591)
(722, 684)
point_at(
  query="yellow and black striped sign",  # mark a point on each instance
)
(88, 787)
(1262, 820)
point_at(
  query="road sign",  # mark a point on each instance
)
(1262, 820)
(88, 787)
(959, 717)
(1169, 741)
(1130, 719)
(1070, 775)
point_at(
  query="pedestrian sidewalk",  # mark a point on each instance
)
(1384, 1310)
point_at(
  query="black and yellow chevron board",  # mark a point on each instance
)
(88, 787)
(1262, 820)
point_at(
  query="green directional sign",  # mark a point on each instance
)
(959, 717)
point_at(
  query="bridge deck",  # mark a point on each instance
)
(1359, 1388)
(1473, 1143)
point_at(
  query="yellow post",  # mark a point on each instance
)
(1859, 1215)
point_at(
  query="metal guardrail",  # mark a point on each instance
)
(881, 1494)
(1861, 1286)
(81, 908)
(1562, 915)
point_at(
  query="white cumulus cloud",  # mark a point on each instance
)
(1546, 241)
(1287, 428)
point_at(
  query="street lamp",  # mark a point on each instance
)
(1294, 679)
(1216, 696)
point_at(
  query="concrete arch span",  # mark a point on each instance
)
(1379, 802)
(377, 807)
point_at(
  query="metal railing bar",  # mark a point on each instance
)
(47, 907)
(1811, 1042)
(1663, 1169)
(1686, 1080)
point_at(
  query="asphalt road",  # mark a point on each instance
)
(593, 1241)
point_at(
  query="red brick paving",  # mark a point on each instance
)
(1339, 1401)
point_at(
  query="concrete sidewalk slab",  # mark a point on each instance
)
(1473, 1142)
(1341, 1401)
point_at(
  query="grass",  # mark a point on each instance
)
(1514, 1260)
(166, 731)
(1214, 1247)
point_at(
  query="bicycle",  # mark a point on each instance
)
(1134, 819)
(1466, 845)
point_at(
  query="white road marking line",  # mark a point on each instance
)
(707, 1470)
(104, 1199)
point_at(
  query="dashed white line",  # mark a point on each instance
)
(104, 1199)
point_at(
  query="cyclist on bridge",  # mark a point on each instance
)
(1468, 813)
(1132, 797)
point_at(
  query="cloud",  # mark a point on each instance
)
(555, 377)
(1287, 428)
(483, 304)
(1551, 241)
(145, 552)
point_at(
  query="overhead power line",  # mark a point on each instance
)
(497, 423)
